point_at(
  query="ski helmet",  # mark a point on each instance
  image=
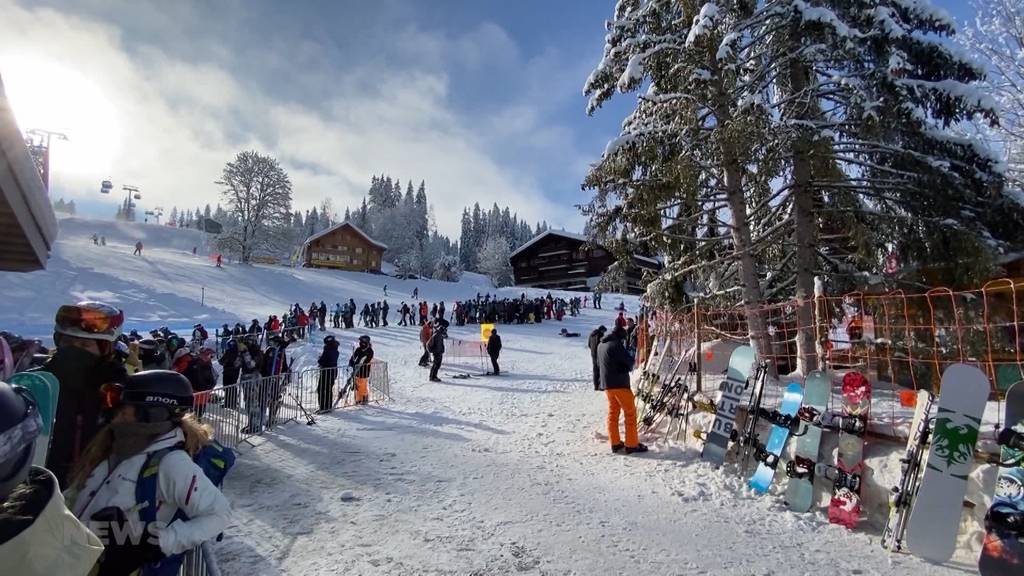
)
(364, 339)
(329, 339)
(164, 394)
(89, 320)
(20, 425)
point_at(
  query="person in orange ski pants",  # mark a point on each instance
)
(614, 364)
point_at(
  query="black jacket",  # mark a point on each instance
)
(436, 343)
(232, 366)
(329, 357)
(614, 361)
(494, 344)
(200, 375)
(360, 361)
(79, 413)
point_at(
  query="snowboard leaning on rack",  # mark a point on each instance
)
(800, 488)
(844, 507)
(903, 495)
(1002, 553)
(741, 364)
(768, 458)
(938, 505)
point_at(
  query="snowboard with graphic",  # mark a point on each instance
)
(1002, 552)
(903, 495)
(46, 390)
(845, 506)
(769, 457)
(935, 517)
(741, 365)
(800, 488)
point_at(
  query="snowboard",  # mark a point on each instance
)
(935, 518)
(903, 495)
(741, 364)
(769, 458)
(1002, 552)
(800, 490)
(45, 388)
(844, 507)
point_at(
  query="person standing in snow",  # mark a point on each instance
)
(415, 293)
(593, 342)
(250, 360)
(385, 290)
(423, 313)
(138, 249)
(440, 311)
(232, 365)
(384, 312)
(494, 349)
(328, 363)
(360, 362)
(403, 311)
(425, 333)
(436, 347)
(615, 364)
(322, 315)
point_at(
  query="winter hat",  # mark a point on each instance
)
(180, 353)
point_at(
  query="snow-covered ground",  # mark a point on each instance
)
(490, 475)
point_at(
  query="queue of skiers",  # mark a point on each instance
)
(126, 453)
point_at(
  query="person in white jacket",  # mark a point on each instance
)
(38, 535)
(151, 415)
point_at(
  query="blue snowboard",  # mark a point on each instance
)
(45, 388)
(765, 473)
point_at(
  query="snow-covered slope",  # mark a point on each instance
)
(169, 286)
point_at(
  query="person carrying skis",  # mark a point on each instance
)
(592, 342)
(615, 364)
(328, 363)
(494, 349)
(359, 362)
(38, 535)
(151, 429)
(84, 336)
(425, 333)
(436, 347)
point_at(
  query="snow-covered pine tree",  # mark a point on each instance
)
(494, 262)
(466, 241)
(447, 269)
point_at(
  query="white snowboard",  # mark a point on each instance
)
(935, 519)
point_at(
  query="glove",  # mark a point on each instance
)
(125, 553)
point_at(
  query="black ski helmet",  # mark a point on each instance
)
(364, 339)
(20, 425)
(164, 393)
(329, 339)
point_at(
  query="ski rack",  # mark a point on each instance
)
(903, 494)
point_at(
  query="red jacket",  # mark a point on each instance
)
(303, 320)
(275, 325)
(620, 320)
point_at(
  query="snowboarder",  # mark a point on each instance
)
(494, 349)
(328, 363)
(592, 342)
(436, 347)
(359, 362)
(84, 335)
(151, 415)
(615, 365)
(138, 249)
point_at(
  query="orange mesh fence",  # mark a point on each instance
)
(907, 340)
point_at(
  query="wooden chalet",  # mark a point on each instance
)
(345, 247)
(26, 215)
(561, 260)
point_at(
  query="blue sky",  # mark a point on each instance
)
(482, 99)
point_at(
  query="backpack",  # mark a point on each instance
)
(214, 459)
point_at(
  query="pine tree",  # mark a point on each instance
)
(348, 215)
(466, 241)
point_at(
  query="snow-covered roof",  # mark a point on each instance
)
(323, 233)
(545, 234)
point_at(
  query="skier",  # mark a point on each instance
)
(425, 333)
(494, 349)
(138, 249)
(328, 363)
(219, 261)
(436, 347)
(151, 421)
(440, 311)
(38, 535)
(84, 336)
(194, 250)
(433, 311)
(615, 364)
(336, 315)
(150, 355)
(360, 361)
(364, 316)
(322, 315)
(350, 323)
(403, 311)
(384, 312)
(96, 239)
(592, 342)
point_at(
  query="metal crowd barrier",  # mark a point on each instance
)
(257, 404)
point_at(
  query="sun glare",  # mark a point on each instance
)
(45, 94)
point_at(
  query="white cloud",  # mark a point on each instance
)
(178, 122)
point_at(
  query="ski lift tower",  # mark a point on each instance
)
(132, 194)
(38, 143)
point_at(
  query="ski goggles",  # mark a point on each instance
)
(111, 395)
(13, 441)
(89, 318)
